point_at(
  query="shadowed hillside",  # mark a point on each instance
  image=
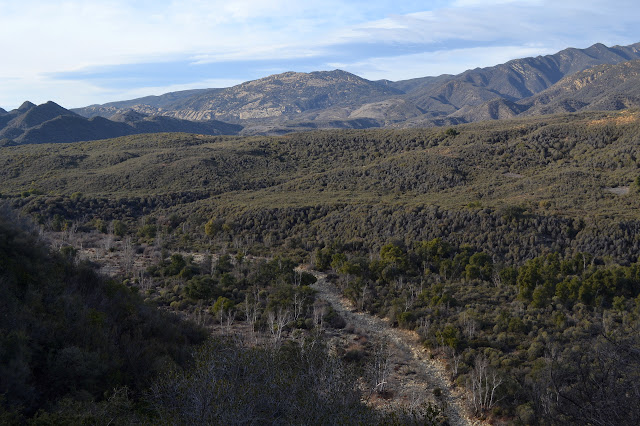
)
(68, 334)
(51, 123)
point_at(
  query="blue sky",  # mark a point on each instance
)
(78, 53)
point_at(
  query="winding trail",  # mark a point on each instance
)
(415, 372)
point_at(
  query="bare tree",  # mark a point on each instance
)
(297, 277)
(141, 277)
(128, 257)
(411, 298)
(455, 359)
(230, 317)
(319, 311)
(469, 325)
(298, 305)
(199, 314)
(108, 242)
(380, 367)
(484, 382)
(363, 296)
(251, 315)
(277, 321)
(424, 326)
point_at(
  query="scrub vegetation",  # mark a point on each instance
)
(509, 247)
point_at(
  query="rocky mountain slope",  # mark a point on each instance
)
(516, 79)
(51, 123)
(601, 88)
(298, 101)
(281, 96)
(172, 98)
(605, 87)
(596, 78)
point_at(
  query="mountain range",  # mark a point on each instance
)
(298, 101)
(596, 78)
(51, 123)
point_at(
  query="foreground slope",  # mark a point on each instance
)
(78, 348)
(68, 333)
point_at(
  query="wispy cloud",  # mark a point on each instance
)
(78, 52)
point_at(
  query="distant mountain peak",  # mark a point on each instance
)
(38, 114)
(52, 104)
(26, 105)
(287, 76)
(281, 97)
(51, 107)
(598, 46)
(3, 112)
(336, 72)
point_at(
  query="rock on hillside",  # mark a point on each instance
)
(388, 110)
(284, 95)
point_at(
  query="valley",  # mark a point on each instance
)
(413, 375)
(319, 248)
(495, 259)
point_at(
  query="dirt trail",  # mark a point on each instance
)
(414, 372)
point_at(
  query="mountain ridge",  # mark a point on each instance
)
(594, 88)
(295, 101)
(603, 87)
(51, 123)
(517, 78)
(280, 102)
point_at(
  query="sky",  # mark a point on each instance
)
(80, 52)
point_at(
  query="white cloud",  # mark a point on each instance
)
(520, 22)
(64, 36)
(485, 3)
(39, 38)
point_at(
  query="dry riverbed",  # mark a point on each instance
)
(414, 375)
